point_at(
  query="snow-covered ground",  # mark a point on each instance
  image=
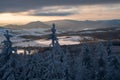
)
(64, 40)
(22, 42)
(36, 32)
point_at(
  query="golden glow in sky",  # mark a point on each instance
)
(85, 12)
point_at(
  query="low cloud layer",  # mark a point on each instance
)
(25, 5)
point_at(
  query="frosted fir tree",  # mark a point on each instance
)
(69, 64)
(10, 69)
(101, 67)
(87, 68)
(41, 67)
(30, 69)
(33, 68)
(6, 52)
(100, 49)
(53, 36)
(113, 68)
(56, 49)
(56, 68)
(113, 64)
(86, 60)
(109, 47)
(23, 60)
(26, 68)
(7, 44)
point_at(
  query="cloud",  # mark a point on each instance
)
(25, 5)
(55, 11)
(53, 14)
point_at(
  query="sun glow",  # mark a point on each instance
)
(9, 18)
(86, 12)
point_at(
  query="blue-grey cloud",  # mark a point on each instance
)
(24, 5)
(53, 14)
(55, 11)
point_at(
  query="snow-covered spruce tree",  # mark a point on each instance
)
(100, 49)
(33, 68)
(100, 62)
(5, 53)
(68, 65)
(101, 72)
(113, 68)
(10, 68)
(86, 60)
(7, 44)
(7, 61)
(48, 62)
(23, 60)
(56, 66)
(109, 47)
(43, 67)
(72, 67)
(26, 68)
(113, 64)
(86, 67)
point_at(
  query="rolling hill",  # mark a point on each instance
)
(69, 25)
(80, 25)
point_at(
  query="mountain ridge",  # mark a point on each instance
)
(68, 25)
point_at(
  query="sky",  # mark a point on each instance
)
(24, 11)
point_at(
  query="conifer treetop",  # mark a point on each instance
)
(7, 35)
